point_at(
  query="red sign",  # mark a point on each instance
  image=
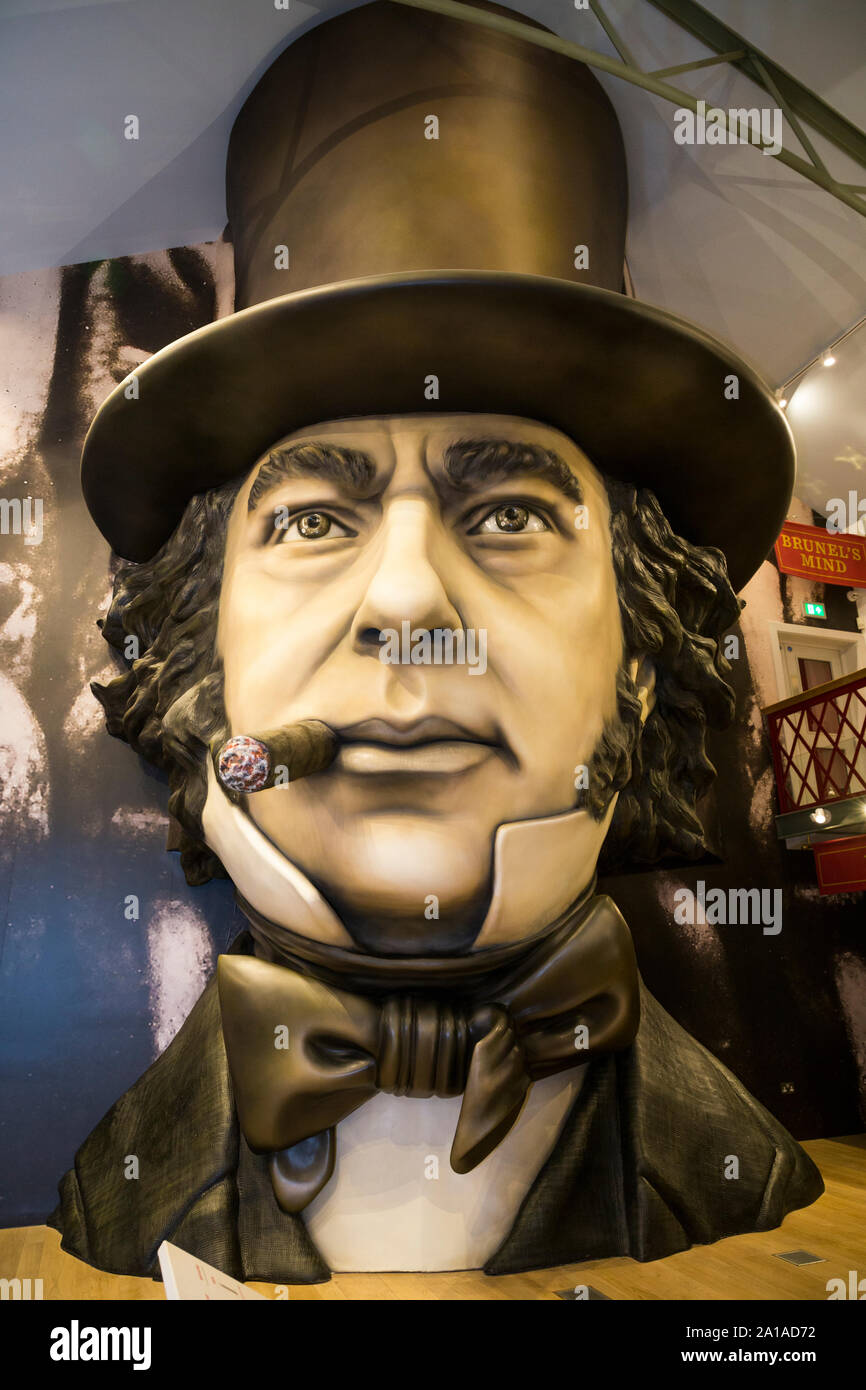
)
(841, 865)
(828, 556)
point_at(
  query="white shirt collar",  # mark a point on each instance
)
(561, 851)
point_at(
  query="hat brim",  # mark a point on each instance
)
(646, 395)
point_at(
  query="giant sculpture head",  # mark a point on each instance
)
(515, 453)
(444, 487)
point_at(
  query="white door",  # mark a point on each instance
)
(808, 664)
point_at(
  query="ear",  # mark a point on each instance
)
(643, 673)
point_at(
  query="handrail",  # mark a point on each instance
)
(818, 743)
(853, 677)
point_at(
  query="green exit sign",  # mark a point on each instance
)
(814, 610)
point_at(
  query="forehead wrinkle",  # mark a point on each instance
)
(471, 464)
(353, 470)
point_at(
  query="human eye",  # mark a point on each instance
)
(510, 518)
(311, 525)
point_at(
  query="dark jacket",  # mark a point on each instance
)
(638, 1169)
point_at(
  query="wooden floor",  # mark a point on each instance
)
(742, 1267)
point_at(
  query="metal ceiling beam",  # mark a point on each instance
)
(770, 86)
(699, 63)
(798, 98)
(796, 95)
(616, 39)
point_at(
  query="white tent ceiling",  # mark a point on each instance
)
(720, 234)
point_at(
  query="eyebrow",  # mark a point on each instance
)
(351, 469)
(472, 464)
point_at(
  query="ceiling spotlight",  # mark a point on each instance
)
(783, 402)
(820, 817)
(828, 359)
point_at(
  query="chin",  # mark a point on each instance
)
(389, 883)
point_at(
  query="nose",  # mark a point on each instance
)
(407, 583)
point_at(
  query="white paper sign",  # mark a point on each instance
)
(187, 1277)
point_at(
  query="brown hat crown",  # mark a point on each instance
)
(392, 139)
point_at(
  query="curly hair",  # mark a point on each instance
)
(675, 603)
(168, 705)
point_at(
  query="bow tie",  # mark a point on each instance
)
(304, 1053)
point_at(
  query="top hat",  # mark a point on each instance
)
(429, 181)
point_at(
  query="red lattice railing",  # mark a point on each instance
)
(819, 743)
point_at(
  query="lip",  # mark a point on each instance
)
(430, 729)
(426, 747)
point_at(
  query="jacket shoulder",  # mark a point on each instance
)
(198, 1184)
(710, 1153)
(169, 1140)
(664, 1148)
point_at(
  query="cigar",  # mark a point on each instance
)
(251, 763)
